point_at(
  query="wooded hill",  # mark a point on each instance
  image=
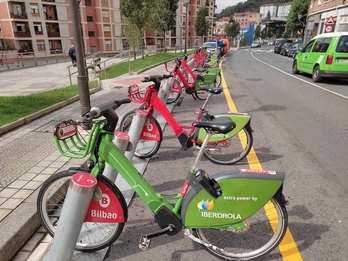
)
(250, 5)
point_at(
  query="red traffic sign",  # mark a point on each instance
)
(330, 21)
(329, 28)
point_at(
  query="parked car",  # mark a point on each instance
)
(255, 45)
(271, 42)
(325, 56)
(284, 50)
(279, 43)
(211, 47)
(295, 48)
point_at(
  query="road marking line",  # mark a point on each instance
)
(313, 84)
(287, 247)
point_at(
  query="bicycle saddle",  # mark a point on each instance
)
(221, 125)
(213, 90)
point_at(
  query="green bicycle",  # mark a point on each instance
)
(236, 215)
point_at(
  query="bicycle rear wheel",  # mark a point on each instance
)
(217, 81)
(174, 93)
(201, 95)
(145, 148)
(232, 150)
(93, 236)
(262, 232)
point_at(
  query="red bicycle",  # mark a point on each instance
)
(222, 149)
(191, 81)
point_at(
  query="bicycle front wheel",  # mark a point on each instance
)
(174, 93)
(262, 232)
(93, 235)
(145, 148)
(232, 150)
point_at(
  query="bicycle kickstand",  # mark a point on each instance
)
(145, 240)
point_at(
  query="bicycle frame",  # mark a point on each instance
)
(208, 75)
(249, 190)
(186, 138)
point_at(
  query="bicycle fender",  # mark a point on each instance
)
(151, 130)
(242, 120)
(110, 207)
(244, 192)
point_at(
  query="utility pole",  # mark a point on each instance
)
(82, 77)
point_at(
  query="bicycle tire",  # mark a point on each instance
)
(93, 235)
(217, 82)
(232, 152)
(145, 148)
(257, 239)
(174, 96)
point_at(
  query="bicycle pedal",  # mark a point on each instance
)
(144, 242)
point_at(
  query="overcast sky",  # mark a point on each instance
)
(221, 4)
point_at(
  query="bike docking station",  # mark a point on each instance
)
(122, 141)
(80, 193)
(85, 193)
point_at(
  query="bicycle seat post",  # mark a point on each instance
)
(201, 150)
(206, 101)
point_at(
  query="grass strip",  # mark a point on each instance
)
(13, 108)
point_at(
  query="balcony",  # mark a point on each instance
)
(22, 34)
(53, 34)
(16, 16)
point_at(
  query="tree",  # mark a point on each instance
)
(257, 32)
(137, 13)
(297, 16)
(232, 28)
(201, 25)
(132, 34)
(164, 16)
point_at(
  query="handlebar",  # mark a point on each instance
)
(108, 111)
(156, 79)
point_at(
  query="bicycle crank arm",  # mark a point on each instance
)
(145, 240)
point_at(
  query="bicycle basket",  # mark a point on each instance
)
(134, 94)
(71, 142)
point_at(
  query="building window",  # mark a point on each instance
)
(34, 9)
(91, 34)
(37, 27)
(108, 43)
(89, 18)
(20, 27)
(88, 2)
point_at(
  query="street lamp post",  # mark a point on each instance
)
(186, 2)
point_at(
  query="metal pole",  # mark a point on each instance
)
(186, 4)
(73, 213)
(121, 140)
(134, 132)
(82, 77)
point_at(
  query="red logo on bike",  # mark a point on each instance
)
(150, 131)
(107, 210)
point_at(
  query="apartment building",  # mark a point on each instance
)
(326, 16)
(45, 27)
(247, 18)
(268, 9)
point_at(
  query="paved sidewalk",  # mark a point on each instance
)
(28, 155)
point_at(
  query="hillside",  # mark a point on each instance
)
(250, 5)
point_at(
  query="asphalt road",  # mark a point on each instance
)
(299, 128)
